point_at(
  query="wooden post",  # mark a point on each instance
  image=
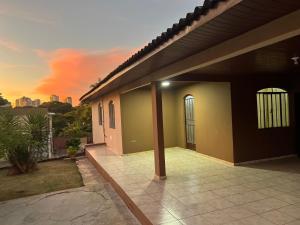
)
(158, 132)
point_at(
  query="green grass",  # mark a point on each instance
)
(51, 176)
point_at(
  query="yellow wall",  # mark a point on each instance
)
(136, 121)
(213, 130)
(213, 120)
(136, 107)
(170, 118)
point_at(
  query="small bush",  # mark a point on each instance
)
(72, 151)
(73, 146)
(73, 142)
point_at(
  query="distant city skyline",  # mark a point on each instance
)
(56, 47)
(25, 101)
(68, 100)
(54, 98)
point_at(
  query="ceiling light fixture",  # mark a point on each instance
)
(165, 83)
(296, 60)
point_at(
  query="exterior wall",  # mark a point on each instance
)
(137, 120)
(113, 136)
(105, 134)
(251, 143)
(212, 117)
(98, 135)
(213, 121)
(170, 117)
(225, 119)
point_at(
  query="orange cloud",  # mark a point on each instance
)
(73, 71)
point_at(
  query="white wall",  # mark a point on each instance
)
(104, 134)
(98, 135)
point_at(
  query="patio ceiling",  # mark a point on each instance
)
(274, 59)
(227, 20)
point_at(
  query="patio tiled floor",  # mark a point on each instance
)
(202, 191)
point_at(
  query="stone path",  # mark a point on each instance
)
(94, 204)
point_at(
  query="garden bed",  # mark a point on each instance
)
(51, 176)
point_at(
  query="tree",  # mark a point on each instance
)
(80, 122)
(36, 127)
(23, 139)
(59, 120)
(57, 107)
(3, 101)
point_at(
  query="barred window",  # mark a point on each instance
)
(272, 108)
(111, 109)
(100, 114)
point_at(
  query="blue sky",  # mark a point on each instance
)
(35, 34)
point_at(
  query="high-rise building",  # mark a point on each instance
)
(54, 98)
(36, 102)
(68, 100)
(23, 102)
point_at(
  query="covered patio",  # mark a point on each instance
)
(233, 97)
(201, 190)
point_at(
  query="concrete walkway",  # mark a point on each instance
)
(94, 204)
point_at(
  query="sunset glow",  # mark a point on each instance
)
(73, 71)
(46, 48)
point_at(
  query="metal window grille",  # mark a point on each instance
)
(111, 115)
(100, 114)
(190, 121)
(272, 108)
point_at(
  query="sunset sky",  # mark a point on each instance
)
(63, 46)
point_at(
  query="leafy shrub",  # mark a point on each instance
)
(72, 150)
(73, 146)
(79, 122)
(74, 142)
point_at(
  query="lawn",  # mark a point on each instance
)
(51, 176)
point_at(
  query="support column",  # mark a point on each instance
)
(158, 132)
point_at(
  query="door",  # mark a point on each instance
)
(189, 122)
(297, 117)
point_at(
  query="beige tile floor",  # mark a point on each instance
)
(203, 191)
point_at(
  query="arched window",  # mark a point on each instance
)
(272, 108)
(100, 114)
(111, 108)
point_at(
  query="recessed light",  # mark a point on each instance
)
(295, 60)
(165, 83)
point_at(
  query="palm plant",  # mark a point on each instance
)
(9, 129)
(36, 128)
(23, 139)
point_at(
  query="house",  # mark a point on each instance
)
(224, 81)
